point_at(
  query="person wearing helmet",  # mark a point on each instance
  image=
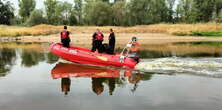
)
(133, 48)
(65, 39)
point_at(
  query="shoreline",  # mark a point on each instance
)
(121, 38)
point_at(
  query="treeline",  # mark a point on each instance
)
(112, 12)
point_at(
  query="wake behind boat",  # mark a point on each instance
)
(85, 56)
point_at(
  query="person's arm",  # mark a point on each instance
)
(102, 35)
(68, 33)
(94, 36)
(69, 36)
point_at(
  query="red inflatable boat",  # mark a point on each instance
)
(85, 56)
(65, 70)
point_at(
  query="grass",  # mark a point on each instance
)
(14, 31)
(216, 44)
(207, 29)
(213, 33)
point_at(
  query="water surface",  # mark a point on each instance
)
(31, 78)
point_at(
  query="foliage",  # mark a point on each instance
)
(78, 7)
(36, 18)
(119, 13)
(203, 10)
(123, 12)
(57, 12)
(25, 8)
(6, 13)
(98, 13)
(50, 8)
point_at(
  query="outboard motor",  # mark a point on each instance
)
(134, 56)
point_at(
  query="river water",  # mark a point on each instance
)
(31, 78)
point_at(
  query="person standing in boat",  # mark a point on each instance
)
(112, 41)
(65, 39)
(97, 41)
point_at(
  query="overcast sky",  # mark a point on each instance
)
(39, 3)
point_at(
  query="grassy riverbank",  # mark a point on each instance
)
(171, 29)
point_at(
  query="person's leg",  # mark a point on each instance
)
(93, 46)
(111, 49)
(99, 46)
(66, 43)
(63, 43)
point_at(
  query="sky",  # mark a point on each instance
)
(39, 3)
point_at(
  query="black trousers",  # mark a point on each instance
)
(97, 44)
(65, 42)
(111, 49)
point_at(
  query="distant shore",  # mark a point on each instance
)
(147, 34)
(121, 38)
(207, 29)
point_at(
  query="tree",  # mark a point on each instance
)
(138, 12)
(218, 10)
(118, 13)
(78, 7)
(36, 18)
(25, 8)
(98, 13)
(58, 12)
(184, 11)
(160, 7)
(63, 11)
(6, 13)
(72, 19)
(50, 8)
(170, 4)
(203, 10)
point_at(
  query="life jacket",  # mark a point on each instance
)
(64, 34)
(99, 36)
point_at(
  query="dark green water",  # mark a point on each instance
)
(165, 83)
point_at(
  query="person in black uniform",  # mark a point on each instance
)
(112, 41)
(65, 39)
(97, 41)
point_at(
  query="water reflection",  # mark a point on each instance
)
(51, 58)
(7, 60)
(65, 85)
(31, 58)
(24, 56)
(100, 77)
